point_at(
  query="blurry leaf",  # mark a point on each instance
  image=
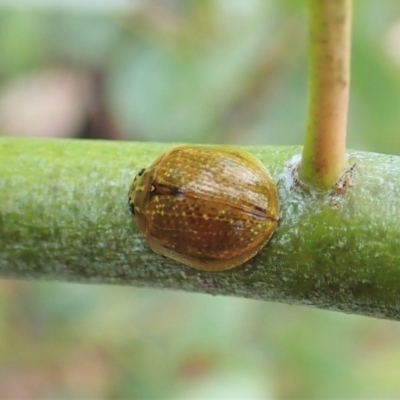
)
(22, 35)
(169, 94)
(85, 39)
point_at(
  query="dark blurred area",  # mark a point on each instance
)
(220, 71)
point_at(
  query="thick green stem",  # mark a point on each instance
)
(64, 216)
(325, 143)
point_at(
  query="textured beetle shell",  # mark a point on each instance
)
(211, 208)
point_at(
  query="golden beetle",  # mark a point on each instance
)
(211, 208)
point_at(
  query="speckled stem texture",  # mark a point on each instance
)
(329, 81)
(64, 217)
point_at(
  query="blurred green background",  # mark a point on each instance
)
(215, 71)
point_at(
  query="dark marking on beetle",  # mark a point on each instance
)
(140, 173)
(158, 189)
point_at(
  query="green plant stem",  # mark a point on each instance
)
(329, 76)
(64, 217)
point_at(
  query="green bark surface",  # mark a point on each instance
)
(64, 217)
